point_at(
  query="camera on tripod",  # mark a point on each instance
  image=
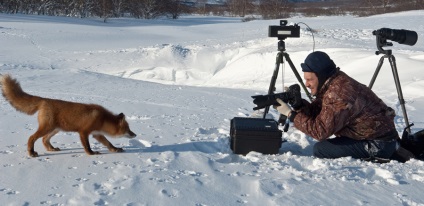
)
(291, 96)
(412, 142)
(262, 134)
(283, 31)
(400, 36)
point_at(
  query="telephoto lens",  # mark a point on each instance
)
(400, 36)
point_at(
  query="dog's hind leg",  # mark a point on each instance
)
(46, 141)
(102, 139)
(39, 133)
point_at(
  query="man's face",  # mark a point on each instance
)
(311, 81)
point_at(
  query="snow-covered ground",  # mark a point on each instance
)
(180, 82)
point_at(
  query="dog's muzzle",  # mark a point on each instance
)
(130, 134)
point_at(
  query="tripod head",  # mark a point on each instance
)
(281, 45)
(382, 42)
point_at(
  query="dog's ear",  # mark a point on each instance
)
(121, 118)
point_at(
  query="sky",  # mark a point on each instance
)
(179, 83)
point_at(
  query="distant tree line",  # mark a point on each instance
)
(357, 7)
(150, 9)
(146, 9)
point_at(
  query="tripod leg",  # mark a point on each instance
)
(392, 61)
(380, 63)
(297, 75)
(271, 89)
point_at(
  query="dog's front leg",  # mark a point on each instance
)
(102, 139)
(86, 143)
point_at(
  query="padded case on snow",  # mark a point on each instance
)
(414, 143)
(254, 134)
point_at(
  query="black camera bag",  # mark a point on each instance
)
(255, 134)
(414, 143)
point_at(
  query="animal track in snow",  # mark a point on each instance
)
(56, 195)
(9, 191)
(6, 152)
(170, 193)
(81, 179)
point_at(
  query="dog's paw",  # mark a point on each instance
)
(33, 154)
(93, 153)
(116, 149)
(119, 150)
(53, 149)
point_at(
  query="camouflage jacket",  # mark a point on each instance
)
(345, 107)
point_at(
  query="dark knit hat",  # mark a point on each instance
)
(319, 63)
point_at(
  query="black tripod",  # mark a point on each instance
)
(388, 54)
(280, 60)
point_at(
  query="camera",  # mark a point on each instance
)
(283, 31)
(400, 36)
(291, 96)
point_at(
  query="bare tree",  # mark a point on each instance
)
(378, 6)
(240, 7)
(272, 9)
(202, 5)
(104, 9)
(147, 9)
(174, 8)
(118, 6)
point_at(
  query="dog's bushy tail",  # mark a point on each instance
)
(19, 99)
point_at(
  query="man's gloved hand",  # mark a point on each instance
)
(283, 108)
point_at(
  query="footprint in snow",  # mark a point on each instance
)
(209, 131)
(9, 191)
(170, 193)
